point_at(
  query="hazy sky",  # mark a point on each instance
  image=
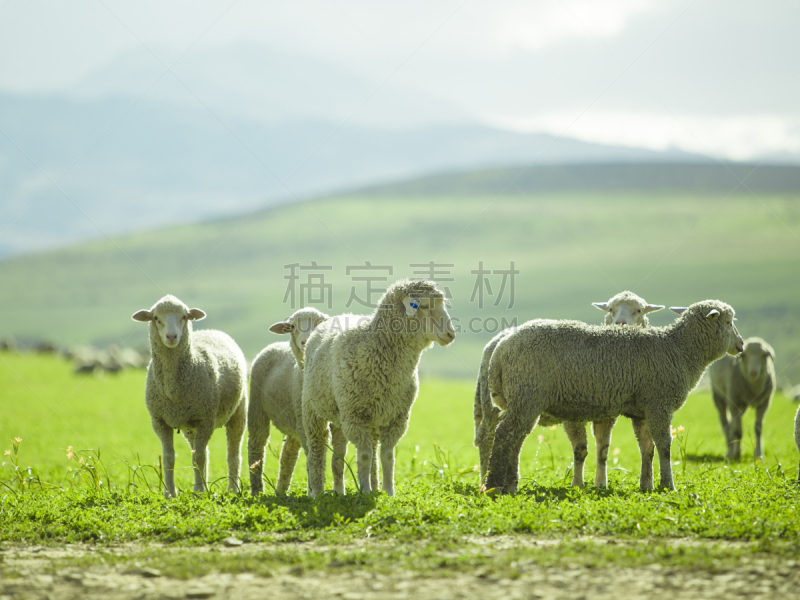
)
(716, 77)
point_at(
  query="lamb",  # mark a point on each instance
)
(364, 378)
(196, 382)
(623, 309)
(578, 372)
(276, 381)
(738, 383)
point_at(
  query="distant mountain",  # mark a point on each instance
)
(717, 178)
(121, 165)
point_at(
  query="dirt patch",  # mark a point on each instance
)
(35, 573)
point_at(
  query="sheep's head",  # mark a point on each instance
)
(717, 320)
(170, 318)
(417, 307)
(300, 326)
(754, 359)
(626, 308)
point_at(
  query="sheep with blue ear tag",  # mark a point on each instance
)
(364, 379)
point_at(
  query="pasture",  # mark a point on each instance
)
(85, 478)
(570, 248)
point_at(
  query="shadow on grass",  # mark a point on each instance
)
(705, 458)
(317, 513)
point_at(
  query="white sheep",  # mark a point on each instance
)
(363, 378)
(623, 309)
(626, 308)
(276, 381)
(196, 382)
(747, 380)
(580, 372)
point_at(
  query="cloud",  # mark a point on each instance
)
(739, 137)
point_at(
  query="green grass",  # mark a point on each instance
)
(722, 513)
(571, 249)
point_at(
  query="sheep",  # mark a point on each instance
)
(196, 382)
(738, 383)
(276, 380)
(363, 378)
(578, 372)
(626, 308)
(623, 309)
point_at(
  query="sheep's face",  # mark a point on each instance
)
(627, 309)
(435, 322)
(717, 315)
(300, 325)
(303, 328)
(169, 319)
(627, 313)
(735, 342)
(754, 360)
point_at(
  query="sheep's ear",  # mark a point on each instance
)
(143, 315)
(679, 309)
(770, 351)
(412, 306)
(282, 328)
(713, 314)
(601, 305)
(652, 308)
(195, 314)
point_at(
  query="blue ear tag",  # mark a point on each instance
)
(413, 305)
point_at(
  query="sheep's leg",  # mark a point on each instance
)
(165, 434)
(477, 412)
(760, 412)
(576, 432)
(257, 438)
(290, 451)
(602, 440)
(646, 451)
(373, 472)
(513, 465)
(339, 445)
(660, 426)
(390, 436)
(317, 437)
(514, 427)
(484, 438)
(735, 429)
(199, 444)
(722, 408)
(234, 434)
(361, 437)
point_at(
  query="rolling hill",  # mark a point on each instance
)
(120, 165)
(672, 245)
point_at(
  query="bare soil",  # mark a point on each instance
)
(32, 572)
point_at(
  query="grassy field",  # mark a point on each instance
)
(435, 522)
(570, 249)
